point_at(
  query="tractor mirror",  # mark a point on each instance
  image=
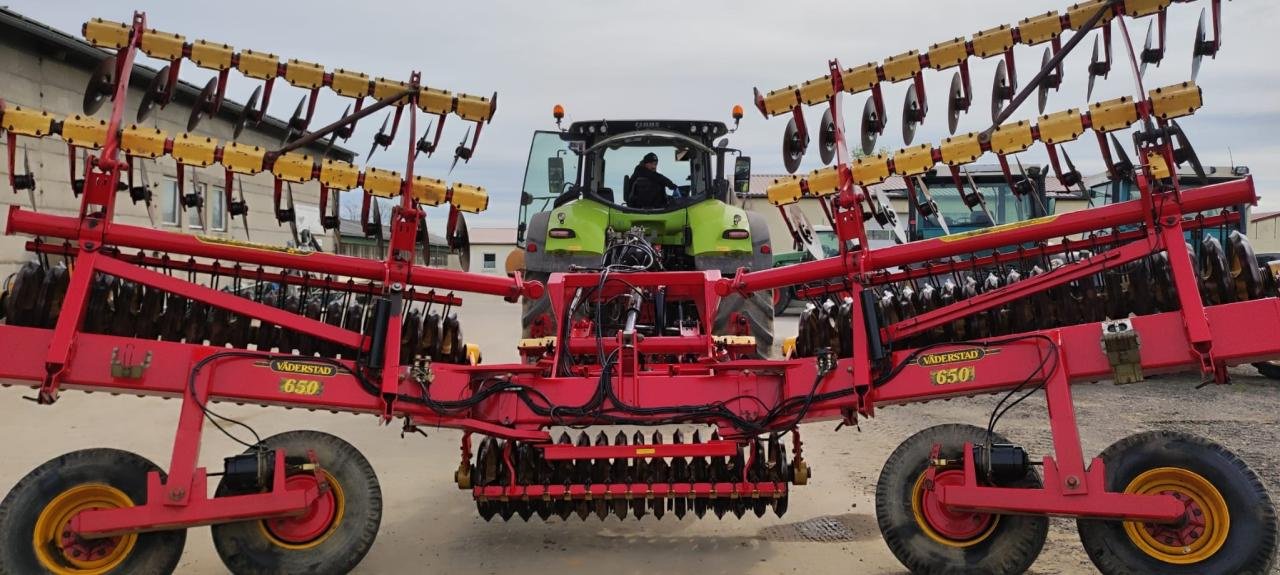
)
(555, 176)
(742, 175)
(526, 198)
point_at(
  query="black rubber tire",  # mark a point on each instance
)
(155, 552)
(758, 311)
(245, 548)
(1250, 546)
(784, 297)
(1011, 548)
(1268, 369)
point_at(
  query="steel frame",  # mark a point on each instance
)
(66, 358)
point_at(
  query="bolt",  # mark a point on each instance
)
(176, 494)
(1073, 481)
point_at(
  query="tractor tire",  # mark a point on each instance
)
(968, 542)
(1238, 532)
(33, 515)
(1269, 369)
(335, 533)
(782, 298)
(536, 319)
(752, 316)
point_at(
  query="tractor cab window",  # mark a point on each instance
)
(681, 176)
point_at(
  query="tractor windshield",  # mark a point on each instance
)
(683, 171)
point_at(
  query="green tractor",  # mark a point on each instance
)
(579, 202)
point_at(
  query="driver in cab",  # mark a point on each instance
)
(648, 187)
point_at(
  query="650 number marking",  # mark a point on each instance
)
(952, 375)
(310, 387)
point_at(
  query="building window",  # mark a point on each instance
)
(490, 261)
(216, 205)
(169, 202)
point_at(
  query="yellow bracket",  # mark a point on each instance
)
(913, 161)
(870, 170)
(468, 198)
(27, 122)
(194, 150)
(1176, 101)
(143, 141)
(824, 182)
(1012, 138)
(243, 159)
(1113, 115)
(1061, 127)
(382, 183)
(1159, 168)
(211, 55)
(474, 108)
(784, 191)
(351, 84)
(901, 67)
(259, 65)
(859, 79)
(993, 42)
(163, 45)
(962, 149)
(948, 54)
(1040, 29)
(386, 88)
(1140, 8)
(106, 34)
(816, 91)
(780, 101)
(305, 75)
(339, 175)
(430, 191)
(1079, 14)
(435, 101)
(84, 132)
(293, 167)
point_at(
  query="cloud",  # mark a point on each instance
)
(682, 59)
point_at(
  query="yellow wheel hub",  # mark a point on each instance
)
(1200, 534)
(65, 553)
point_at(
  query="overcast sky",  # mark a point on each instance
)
(696, 59)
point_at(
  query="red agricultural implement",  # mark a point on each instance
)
(346, 334)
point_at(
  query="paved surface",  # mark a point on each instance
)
(431, 527)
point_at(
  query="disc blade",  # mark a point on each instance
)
(293, 215)
(1042, 91)
(1197, 52)
(792, 152)
(203, 104)
(910, 116)
(827, 138)
(883, 199)
(243, 119)
(808, 236)
(955, 103)
(155, 90)
(999, 87)
(1092, 66)
(1146, 49)
(101, 86)
(870, 127)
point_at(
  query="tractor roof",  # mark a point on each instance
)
(704, 131)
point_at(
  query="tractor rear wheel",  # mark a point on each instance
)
(928, 537)
(782, 298)
(1230, 526)
(334, 533)
(1269, 369)
(33, 518)
(751, 316)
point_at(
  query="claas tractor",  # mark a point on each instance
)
(581, 210)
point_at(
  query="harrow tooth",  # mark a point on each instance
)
(639, 474)
(22, 301)
(52, 291)
(152, 311)
(409, 336)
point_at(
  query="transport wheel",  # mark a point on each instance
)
(35, 513)
(752, 316)
(331, 537)
(782, 299)
(1230, 524)
(928, 537)
(1269, 369)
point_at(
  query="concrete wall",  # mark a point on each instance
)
(1265, 236)
(41, 81)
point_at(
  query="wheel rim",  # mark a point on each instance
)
(948, 526)
(314, 525)
(63, 552)
(1205, 524)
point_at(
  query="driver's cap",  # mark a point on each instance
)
(650, 157)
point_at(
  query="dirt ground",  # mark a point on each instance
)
(429, 526)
